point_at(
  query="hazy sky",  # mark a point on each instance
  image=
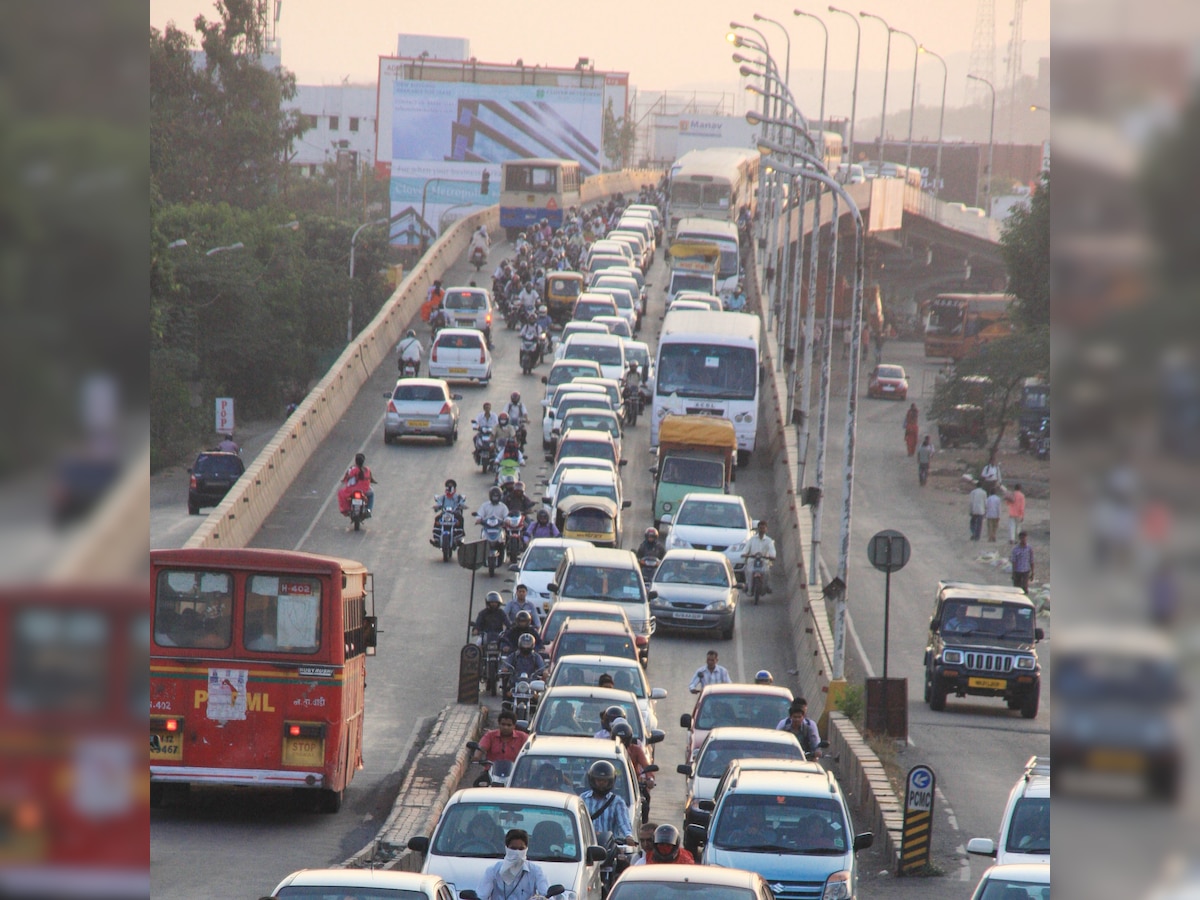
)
(663, 44)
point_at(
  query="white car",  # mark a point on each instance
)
(1028, 880)
(551, 405)
(711, 522)
(626, 300)
(1025, 827)
(460, 354)
(628, 675)
(572, 462)
(617, 325)
(569, 401)
(609, 278)
(538, 564)
(574, 327)
(712, 301)
(378, 884)
(607, 350)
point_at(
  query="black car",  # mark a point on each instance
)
(213, 474)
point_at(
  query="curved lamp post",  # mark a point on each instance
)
(937, 169)
(987, 210)
(857, 55)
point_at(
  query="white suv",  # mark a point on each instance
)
(1025, 828)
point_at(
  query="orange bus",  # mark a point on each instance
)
(257, 670)
(955, 324)
(73, 787)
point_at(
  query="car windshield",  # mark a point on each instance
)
(542, 559)
(477, 830)
(697, 472)
(580, 447)
(1029, 831)
(623, 679)
(602, 583)
(1001, 888)
(588, 310)
(592, 423)
(219, 465)
(595, 401)
(712, 515)
(716, 755)
(716, 371)
(587, 490)
(678, 890)
(561, 773)
(605, 354)
(426, 393)
(640, 355)
(573, 464)
(579, 716)
(781, 824)
(746, 711)
(556, 620)
(1003, 621)
(458, 342)
(621, 297)
(1115, 678)
(565, 287)
(889, 372)
(560, 373)
(688, 571)
(583, 643)
(463, 300)
(324, 892)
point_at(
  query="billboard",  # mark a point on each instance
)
(437, 135)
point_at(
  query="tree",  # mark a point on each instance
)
(219, 132)
(1025, 243)
(619, 136)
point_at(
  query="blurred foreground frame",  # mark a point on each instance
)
(74, 288)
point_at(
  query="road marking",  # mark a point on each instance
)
(964, 864)
(862, 653)
(333, 495)
(950, 817)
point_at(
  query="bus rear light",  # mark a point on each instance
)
(166, 723)
(304, 729)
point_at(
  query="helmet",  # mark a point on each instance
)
(632, 364)
(764, 677)
(525, 641)
(541, 310)
(451, 485)
(494, 495)
(359, 459)
(524, 618)
(515, 397)
(502, 418)
(620, 728)
(612, 713)
(601, 771)
(493, 597)
(518, 487)
(411, 333)
(667, 834)
(652, 534)
(543, 515)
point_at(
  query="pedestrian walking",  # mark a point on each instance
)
(1015, 500)
(911, 429)
(924, 455)
(1022, 562)
(991, 513)
(977, 504)
(990, 475)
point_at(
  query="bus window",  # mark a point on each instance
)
(194, 609)
(59, 661)
(282, 614)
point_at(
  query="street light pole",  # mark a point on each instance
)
(987, 210)
(854, 90)
(887, 62)
(353, 238)
(824, 67)
(937, 169)
(912, 101)
(787, 60)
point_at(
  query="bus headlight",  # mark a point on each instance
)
(744, 417)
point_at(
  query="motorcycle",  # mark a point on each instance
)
(645, 784)
(514, 535)
(493, 533)
(545, 346)
(490, 674)
(524, 694)
(485, 447)
(633, 404)
(508, 473)
(358, 509)
(1041, 441)
(448, 530)
(530, 353)
(410, 368)
(649, 565)
(438, 320)
(478, 258)
(617, 862)
(495, 772)
(756, 575)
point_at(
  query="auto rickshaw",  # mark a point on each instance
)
(562, 290)
(963, 425)
(594, 519)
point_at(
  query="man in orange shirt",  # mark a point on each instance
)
(1015, 500)
(503, 742)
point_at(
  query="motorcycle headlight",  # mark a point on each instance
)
(952, 657)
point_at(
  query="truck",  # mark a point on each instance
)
(694, 267)
(695, 455)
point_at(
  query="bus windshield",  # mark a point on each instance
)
(945, 320)
(708, 370)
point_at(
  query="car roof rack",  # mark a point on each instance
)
(1037, 765)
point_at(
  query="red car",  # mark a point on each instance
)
(888, 381)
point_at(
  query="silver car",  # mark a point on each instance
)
(421, 407)
(696, 590)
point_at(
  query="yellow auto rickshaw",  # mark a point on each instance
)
(562, 290)
(594, 519)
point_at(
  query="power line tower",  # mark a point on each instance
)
(983, 50)
(1012, 73)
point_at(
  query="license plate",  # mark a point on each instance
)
(889, 387)
(995, 684)
(166, 745)
(303, 751)
(683, 615)
(417, 423)
(457, 371)
(1115, 761)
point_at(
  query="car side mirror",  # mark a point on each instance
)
(456, 396)
(863, 841)
(514, 568)
(595, 854)
(665, 521)
(546, 500)
(387, 395)
(656, 736)
(553, 891)
(468, 894)
(625, 504)
(685, 721)
(658, 693)
(544, 380)
(1039, 634)
(420, 843)
(651, 595)
(623, 462)
(981, 846)
(654, 471)
(651, 769)
(552, 587)
(706, 805)
(684, 770)
(190, 471)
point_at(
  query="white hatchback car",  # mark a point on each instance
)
(607, 350)
(712, 522)
(460, 354)
(378, 884)
(538, 564)
(572, 462)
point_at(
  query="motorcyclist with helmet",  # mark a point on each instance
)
(518, 502)
(525, 661)
(667, 849)
(491, 619)
(608, 715)
(623, 732)
(546, 340)
(522, 623)
(764, 676)
(517, 413)
(493, 507)
(409, 350)
(607, 808)
(542, 527)
(650, 553)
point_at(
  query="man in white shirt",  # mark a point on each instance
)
(761, 544)
(977, 504)
(410, 350)
(709, 673)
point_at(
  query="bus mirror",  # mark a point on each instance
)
(370, 633)
(484, 180)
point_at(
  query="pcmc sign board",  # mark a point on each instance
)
(918, 819)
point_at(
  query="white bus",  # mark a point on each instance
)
(725, 235)
(712, 184)
(707, 365)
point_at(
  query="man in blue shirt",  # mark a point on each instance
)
(804, 728)
(608, 809)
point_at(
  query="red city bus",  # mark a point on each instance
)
(257, 670)
(73, 789)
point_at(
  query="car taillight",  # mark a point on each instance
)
(391, 407)
(488, 318)
(433, 354)
(482, 357)
(192, 482)
(445, 410)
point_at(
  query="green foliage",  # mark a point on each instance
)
(1025, 243)
(1004, 365)
(618, 136)
(852, 704)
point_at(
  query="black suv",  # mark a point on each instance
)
(213, 474)
(982, 641)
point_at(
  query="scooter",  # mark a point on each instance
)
(649, 565)
(478, 258)
(410, 368)
(756, 576)
(493, 533)
(495, 772)
(485, 447)
(514, 535)
(358, 509)
(529, 355)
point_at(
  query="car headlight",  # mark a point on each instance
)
(721, 605)
(737, 548)
(837, 886)
(1026, 662)
(952, 657)
(676, 543)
